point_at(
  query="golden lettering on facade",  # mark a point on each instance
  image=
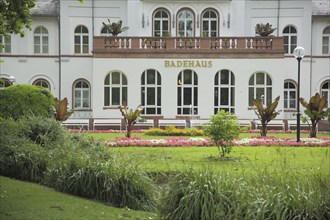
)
(188, 63)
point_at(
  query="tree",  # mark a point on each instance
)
(61, 109)
(264, 30)
(15, 15)
(130, 117)
(224, 127)
(19, 100)
(115, 28)
(315, 110)
(265, 114)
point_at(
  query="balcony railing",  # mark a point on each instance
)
(188, 47)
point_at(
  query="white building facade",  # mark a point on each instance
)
(178, 58)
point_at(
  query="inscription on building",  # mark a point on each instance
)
(188, 63)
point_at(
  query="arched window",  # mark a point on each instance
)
(260, 87)
(42, 82)
(290, 95)
(5, 83)
(81, 39)
(325, 91)
(161, 23)
(115, 89)
(151, 82)
(187, 93)
(40, 40)
(210, 23)
(325, 41)
(105, 31)
(224, 91)
(5, 41)
(186, 23)
(82, 94)
(290, 39)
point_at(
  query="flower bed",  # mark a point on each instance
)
(104, 131)
(182, 141)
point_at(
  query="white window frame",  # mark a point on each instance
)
(80, 34)
(122, 87)
(290, 35)
(42, 34)
(82, 91)
(326, 91)
(161, 19)
(157, 86)
(286, 95)
(326, 37)
(268, 89)
(231, 91)
(43, 83)
(193, 107)
(185, 20)
(209, 20)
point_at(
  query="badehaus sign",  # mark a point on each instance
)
(188, 63)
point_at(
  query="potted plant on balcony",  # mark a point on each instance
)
(115, 28)
(264, 30)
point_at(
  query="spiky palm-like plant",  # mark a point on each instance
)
(265, 114)
(61, 109)
(115, 28)
(130, 117)
(315, 110)
(264, 30)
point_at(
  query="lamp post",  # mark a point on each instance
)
(299, 53)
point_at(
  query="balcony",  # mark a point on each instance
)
(188, 47)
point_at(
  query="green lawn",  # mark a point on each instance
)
(21, 201)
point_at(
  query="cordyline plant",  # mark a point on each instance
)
(130, 117)
(61, 109)
(264, 30)
(223, 129)
(316, 111)
(115, 28)
(265, 114)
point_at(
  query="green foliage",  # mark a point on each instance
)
(265, 114)
(264, 30)
(19, 100)
(173, 131)
(115, 28)
(206, 195)
(224, 127)
(315, 110)
(61, 109)
(130, 117)
(15, 16)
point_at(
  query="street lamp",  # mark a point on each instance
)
(11, 79)
(299, 53)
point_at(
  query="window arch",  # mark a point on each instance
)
(161, 23)
(81, 39)
(40, 40)
(224, 91)
(5, 83)
(81, 94)
(325, 91)
(151, 82)
(115, 89)
(290, 95)
(325, 41)
(42, 82)
(185, 22)
(187, 93)
(290, 39)
(260, 87)
(105, 31)
(5, 41)
(210, 23)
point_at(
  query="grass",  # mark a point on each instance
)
(242, 159)
(23, 200)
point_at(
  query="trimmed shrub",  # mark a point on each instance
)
(173, 131)
(18, 100)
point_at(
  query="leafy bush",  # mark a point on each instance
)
(173, 131)
(205, 195)
(224, 127)
(27, 99)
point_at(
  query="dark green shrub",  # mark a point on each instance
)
(19, 100)
(24, 161)
(87, 175)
